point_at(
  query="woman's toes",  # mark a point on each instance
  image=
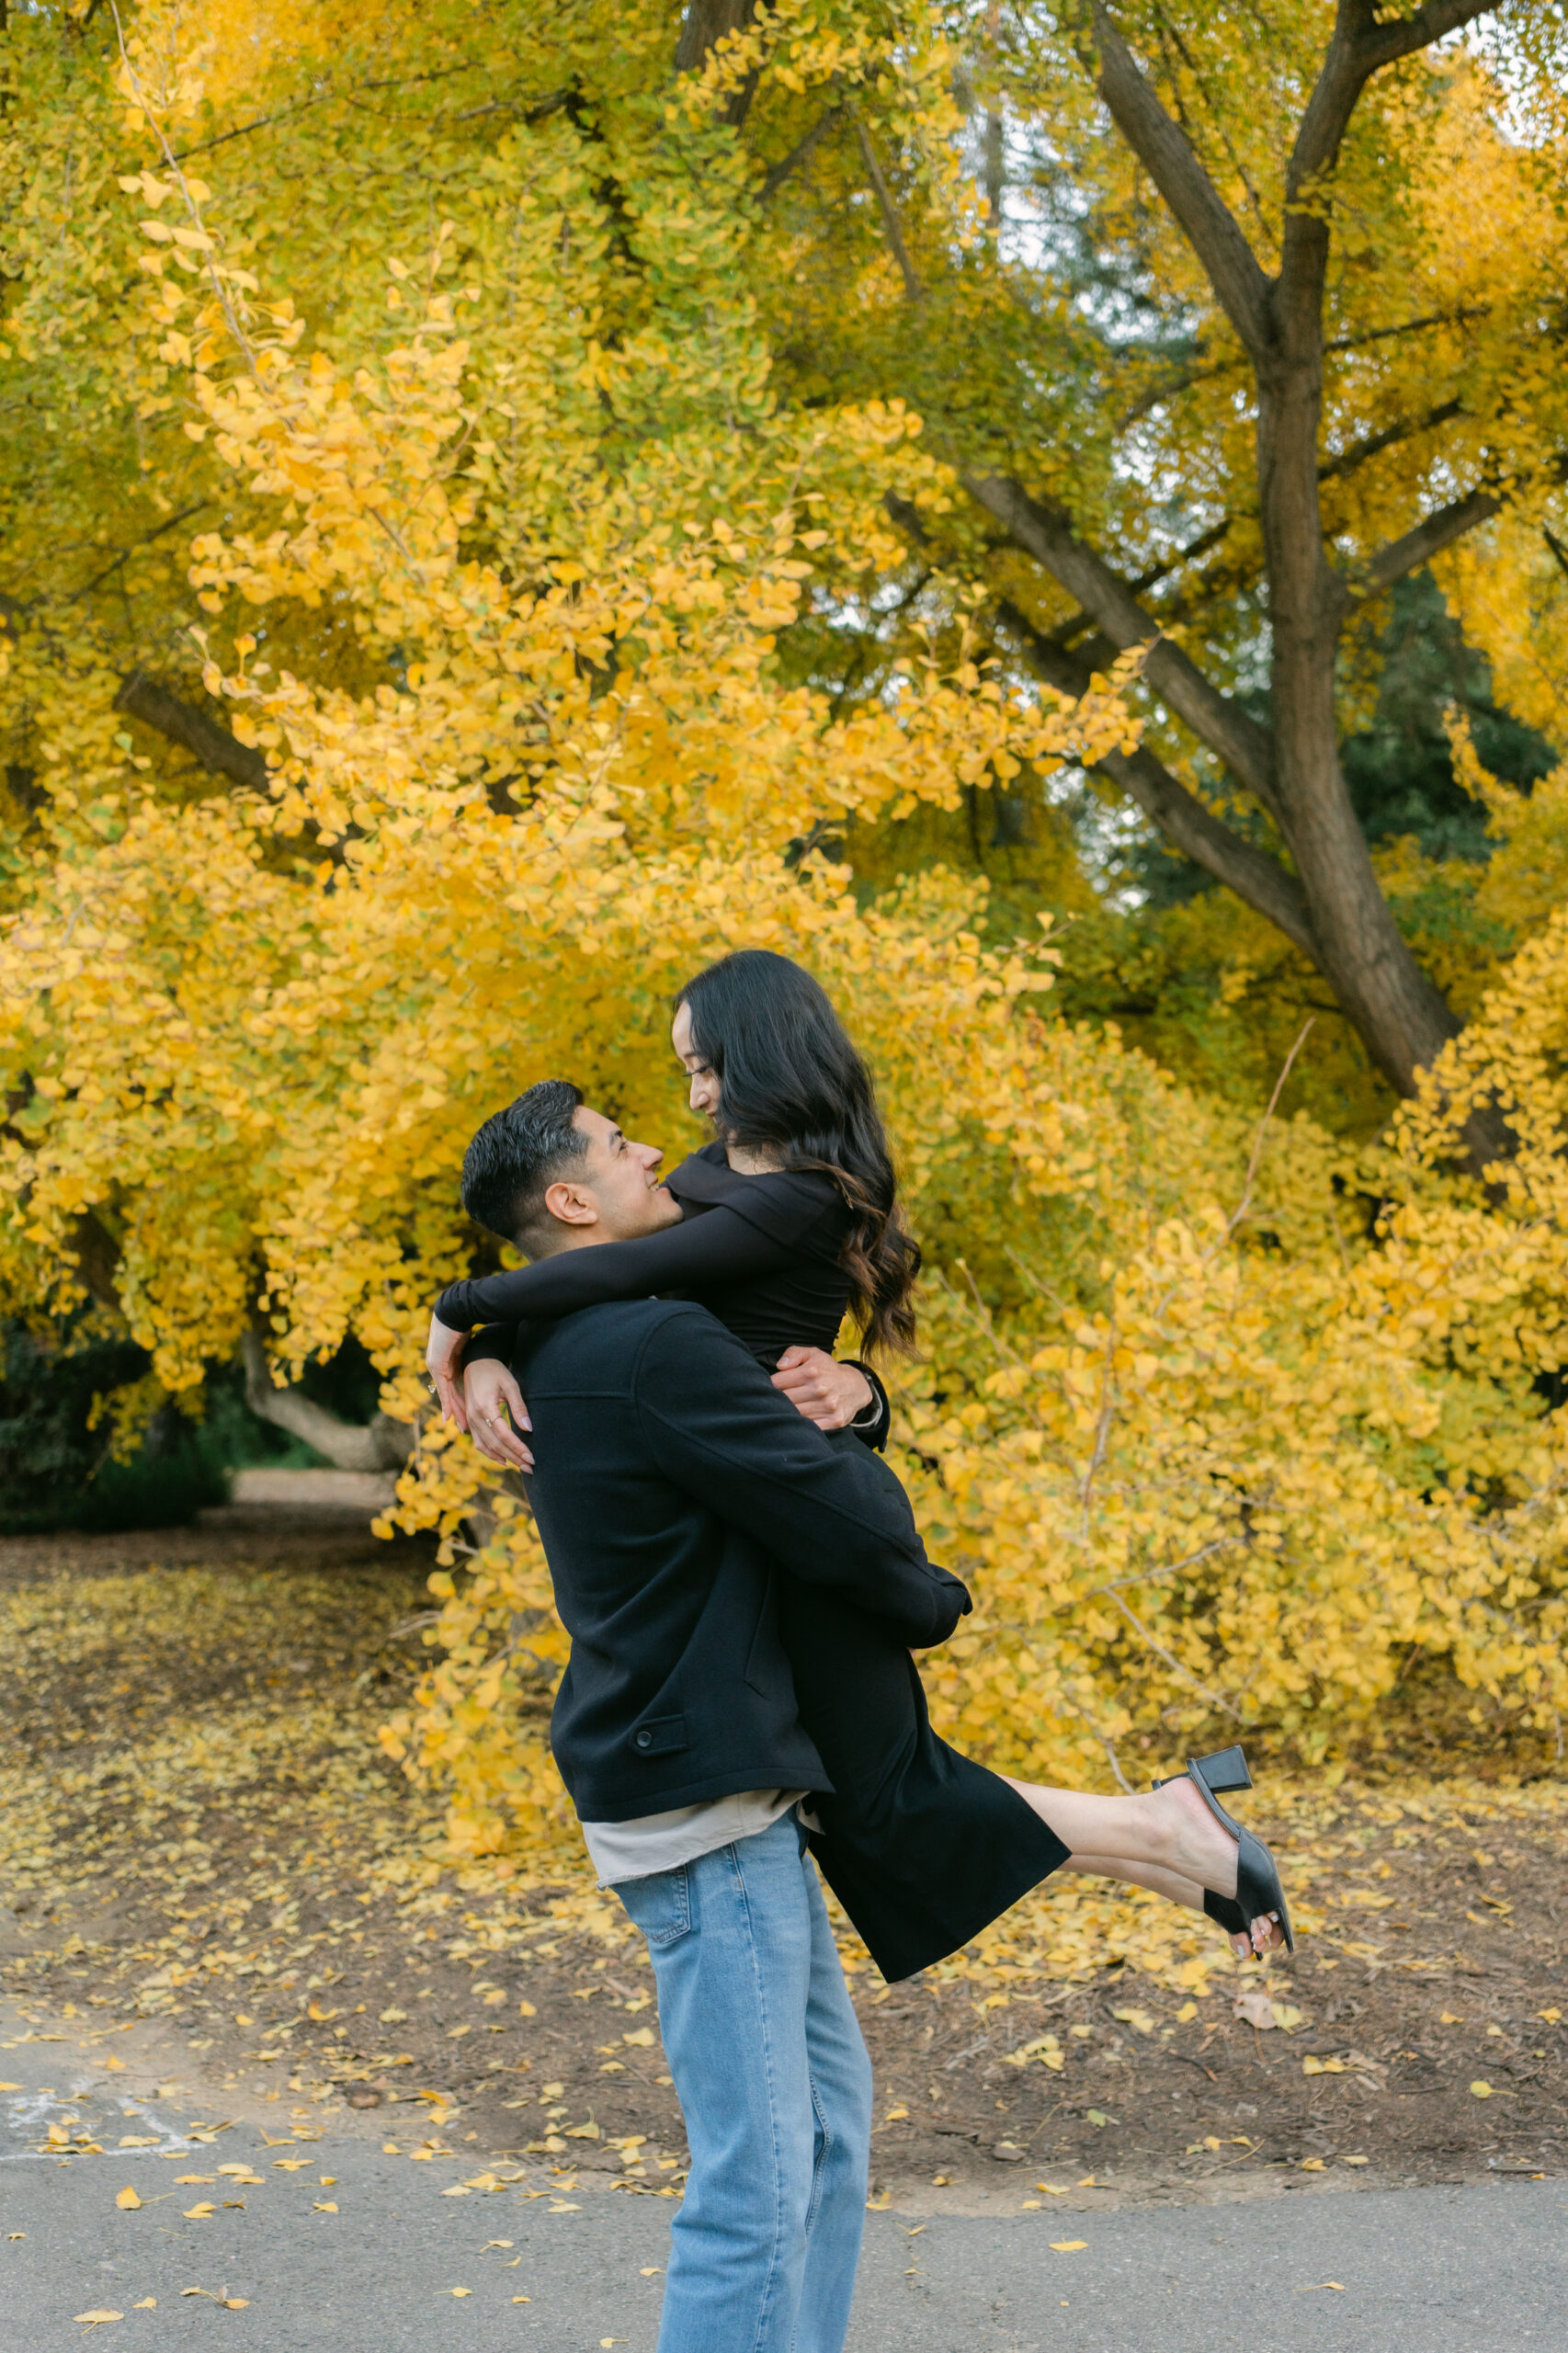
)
(1267, 1932)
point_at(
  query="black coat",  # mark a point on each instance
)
(670, 1476)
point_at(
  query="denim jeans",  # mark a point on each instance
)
(773, 2077)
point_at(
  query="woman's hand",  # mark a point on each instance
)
(443, 1362)
(489, 1394)
(827, 1393)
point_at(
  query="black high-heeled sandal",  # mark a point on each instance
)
(1258, 1889)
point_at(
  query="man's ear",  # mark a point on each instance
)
(571, 1203)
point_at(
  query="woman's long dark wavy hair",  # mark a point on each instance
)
(790, 1078)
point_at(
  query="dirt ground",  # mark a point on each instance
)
(167, 1871)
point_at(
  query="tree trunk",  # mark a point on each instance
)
(1331, 907)
(704, 25)
(378, 1445)
(1402, 1018)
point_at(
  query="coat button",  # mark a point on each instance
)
(644, 1740)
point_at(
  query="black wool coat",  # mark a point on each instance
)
(671, 1482)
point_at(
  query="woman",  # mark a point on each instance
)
(790, 1218)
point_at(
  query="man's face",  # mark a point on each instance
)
(612, 1193)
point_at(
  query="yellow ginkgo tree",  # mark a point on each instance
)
(436, 574)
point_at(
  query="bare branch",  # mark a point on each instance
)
(800, 153)
(126, 553)
(219, 752)
(1347, 67)
(1170, 388)
(1045, 533)
(1423, 26)
(1250, 872)
(1359, 47)
(912, 285)
(1403, 429)
(1428, 538)
(1172, 163)
(1459, 318)
(1245, 1204)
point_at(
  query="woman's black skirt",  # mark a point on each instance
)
(922, 1847)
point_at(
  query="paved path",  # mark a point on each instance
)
(1447, 2270)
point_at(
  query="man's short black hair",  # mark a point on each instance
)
(515, 1158)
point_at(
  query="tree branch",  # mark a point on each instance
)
(911, 286)
(1429, 538)
(1045, 533)
(1423, 26)
(1360, 46)
(1170, 388)
(1250, 872)
(218, 751)
(1348, 64)
(1172, 163)
(801, 153)
(1403, 429)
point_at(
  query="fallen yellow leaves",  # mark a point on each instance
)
(1068, 2246)
(1482, 2090)
(1045, 2048)
(326, 2206)
(229, 2303)
(95, 2317)
(127, 2200)
(200, 2214)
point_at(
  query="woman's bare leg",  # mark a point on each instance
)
(1170, 1884)
(1170, 1831)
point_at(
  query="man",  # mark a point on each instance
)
(664, 1453)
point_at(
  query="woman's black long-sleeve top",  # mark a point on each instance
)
(761, 1253)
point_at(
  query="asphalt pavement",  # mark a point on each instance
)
(315, 2236)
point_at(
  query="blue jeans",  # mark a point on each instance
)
(776, 2085)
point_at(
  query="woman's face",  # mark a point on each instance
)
(704, 1081)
